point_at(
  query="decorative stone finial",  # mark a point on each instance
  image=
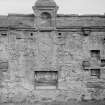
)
(45, 3)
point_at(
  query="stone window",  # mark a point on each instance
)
(85, 65)
(102, 62)
(3, 65)
(46, 79)
(95, 73)
(95, 54)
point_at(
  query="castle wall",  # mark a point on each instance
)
(47, 56)
(24, 52)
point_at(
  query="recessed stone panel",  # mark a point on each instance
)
(46, 79)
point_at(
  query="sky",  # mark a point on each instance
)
(65, 6)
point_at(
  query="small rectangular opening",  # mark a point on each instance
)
(102, 62)
(95, 73)
(85, 64)
(46, 79)
(95, 54)
(3, 65)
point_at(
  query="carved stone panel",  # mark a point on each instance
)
(46, 79)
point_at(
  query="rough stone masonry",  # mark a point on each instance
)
(49, 56)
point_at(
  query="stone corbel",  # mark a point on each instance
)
(86, 31)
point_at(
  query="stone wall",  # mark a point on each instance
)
(24, 52)
(70, 46)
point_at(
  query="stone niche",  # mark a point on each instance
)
(46, 79)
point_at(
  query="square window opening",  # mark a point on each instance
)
(102, 62)
(85, 64)
(95, 73)
(95, 54)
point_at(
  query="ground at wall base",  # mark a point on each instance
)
(69, 102)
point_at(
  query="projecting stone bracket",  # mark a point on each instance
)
(86, 31)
